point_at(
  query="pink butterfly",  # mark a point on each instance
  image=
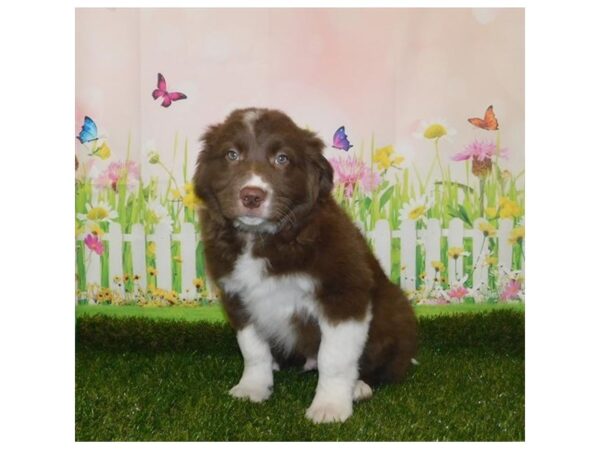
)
(168, 97)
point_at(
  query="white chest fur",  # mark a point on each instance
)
(271, 301)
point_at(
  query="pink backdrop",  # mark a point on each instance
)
(376, 71)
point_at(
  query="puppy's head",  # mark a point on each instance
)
(260, 171)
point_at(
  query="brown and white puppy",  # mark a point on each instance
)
(297, 279)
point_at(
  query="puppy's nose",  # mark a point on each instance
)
(252, 196)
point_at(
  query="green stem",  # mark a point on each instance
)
(481, 195)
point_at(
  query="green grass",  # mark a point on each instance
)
(213, 313)
(167, 380)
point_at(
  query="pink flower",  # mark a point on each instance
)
(347, 171)
(511, 290)
(458, 292)
(370, 180)
(479, 150)
(94, 243)
(129, 170)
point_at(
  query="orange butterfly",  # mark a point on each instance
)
(488, 122)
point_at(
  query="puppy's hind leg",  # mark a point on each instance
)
(362, 391)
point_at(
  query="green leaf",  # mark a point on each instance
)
(386, 196)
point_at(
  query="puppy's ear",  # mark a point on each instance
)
(325, 171)
(201, 178)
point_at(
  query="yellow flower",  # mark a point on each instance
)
(98, 212)
(103, 152)
(443, 280)
(415, 209)
(190, 200)
(438, 266)
(491, 260)
(126, 278)
(435, 131)
(508, 208)
(517, 235)
(151, 271)
(491, 212)
(487, 229)
(199, 283)
(384, 158)
(176, 194)
(152, 248)
(94, 228)
(455, 252)
(423, 276)
(117, 279)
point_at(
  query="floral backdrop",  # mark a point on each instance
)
(422, 109)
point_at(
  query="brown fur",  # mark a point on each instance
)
(314, 237)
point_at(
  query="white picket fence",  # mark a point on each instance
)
(431, 237)
(162, 238)
(381, 237)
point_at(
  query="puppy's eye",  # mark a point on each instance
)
(233, 155)
(282, 159)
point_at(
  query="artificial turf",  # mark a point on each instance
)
(140, 379)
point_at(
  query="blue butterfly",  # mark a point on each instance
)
(89, 131)
(340, 139)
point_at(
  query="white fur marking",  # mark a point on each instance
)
(250, 117)
(271, 301)
(257, 379)
(362, 391)
(258, 182)
(340, 349)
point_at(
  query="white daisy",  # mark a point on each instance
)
(416, 208)
(436, 129)
(99, 212)
(157, 213)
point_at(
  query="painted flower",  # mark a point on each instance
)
(457, 293)
(480, 153)
(491, 260)
(517, 235)
(190, 199)
(384, 158)
(103, 152)
(415, 208)
(99, 212)
(157, 213)
(152, 248)
(94, 243)
(487, 229)
(348, 172)
(455, 252)
(153, 157)
(438, 266)
(479, 150)
(128, 171)
(198, 283)
(370, 180)
(437, 129)
(511, 290)
(152, 271)
(508, 208)
(94, 228)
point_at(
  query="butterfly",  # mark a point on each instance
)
(168, 97)
(89, 131)
(488, 122)
(340, 139)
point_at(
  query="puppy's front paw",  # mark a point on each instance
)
(253, 393)
(327, 411)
